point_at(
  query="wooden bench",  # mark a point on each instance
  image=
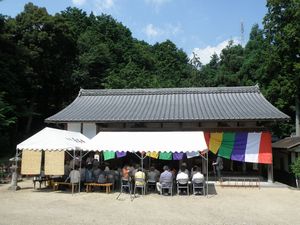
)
(57, 183)
(106, 185)
(240, 182)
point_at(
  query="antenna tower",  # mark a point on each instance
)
(242, 33)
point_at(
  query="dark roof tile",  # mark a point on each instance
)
(169, 104)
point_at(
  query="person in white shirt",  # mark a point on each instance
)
(182, 176)
(74, 176)
(197, 176)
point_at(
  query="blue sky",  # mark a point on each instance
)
(200, 26)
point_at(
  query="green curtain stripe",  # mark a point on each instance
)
(108, 155)
(227, 144)
(165, 155)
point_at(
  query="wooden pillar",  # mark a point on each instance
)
(270, 173)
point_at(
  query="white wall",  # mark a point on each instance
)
(89, 130)
(74, 127)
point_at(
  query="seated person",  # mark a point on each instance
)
(125, 173)
(184, 166)
(90, 158)
(139, 174)
(89, 174)
(182, 174)
(183, 177)
(74, 176)
(165, 179)
(111, 176)
(96, 172)
(153, 175)
(67, 170)
(198, 176)
(82, 173)
(102, 177)
(135, 169)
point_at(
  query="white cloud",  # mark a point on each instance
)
(78, 2)
(152, 31)
(166, 30)
(157, 3)
(205, 53)
(103, 5)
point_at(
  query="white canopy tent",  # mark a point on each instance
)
(148, 141)
(168, 141)
(172, 141)
(54, 139)
(51, 139)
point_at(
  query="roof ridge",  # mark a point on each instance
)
(165, 91)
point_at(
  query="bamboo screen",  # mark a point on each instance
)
(31, 162)
(54, 162)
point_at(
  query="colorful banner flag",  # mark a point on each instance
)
(239, 147)
(120, 154)
(192, 154)
(215, 142)
(178, 155)
(265, 148)
(254, 147)
(108, 155)
(153, 154)
(226, 147)
(165, 155)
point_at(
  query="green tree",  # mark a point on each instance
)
(295, 167)
(253, 70)
(282, 29)
(231, 59)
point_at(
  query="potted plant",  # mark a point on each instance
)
(296, 170)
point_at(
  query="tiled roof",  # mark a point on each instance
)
(169, 105)
(287, 143)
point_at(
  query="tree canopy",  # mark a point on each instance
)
(45, 59)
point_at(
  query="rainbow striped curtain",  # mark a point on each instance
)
(241, 146)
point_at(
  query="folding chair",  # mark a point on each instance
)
(125, 185)
(198, 184)
(141, 186)
(151, 183)
(183, 184)
(167, 186)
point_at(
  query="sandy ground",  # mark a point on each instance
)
(228, 206)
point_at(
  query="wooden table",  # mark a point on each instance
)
(106, 185)
(57, 183)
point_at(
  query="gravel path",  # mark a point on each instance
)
(228, 206)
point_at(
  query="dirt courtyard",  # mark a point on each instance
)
(228, 206)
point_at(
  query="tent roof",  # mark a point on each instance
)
(169, 105)
(148, 141)
(54, 139)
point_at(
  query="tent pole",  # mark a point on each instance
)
(142, 161)
(73, 169)
(207, 174)
(79, 185)
(141, 158)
